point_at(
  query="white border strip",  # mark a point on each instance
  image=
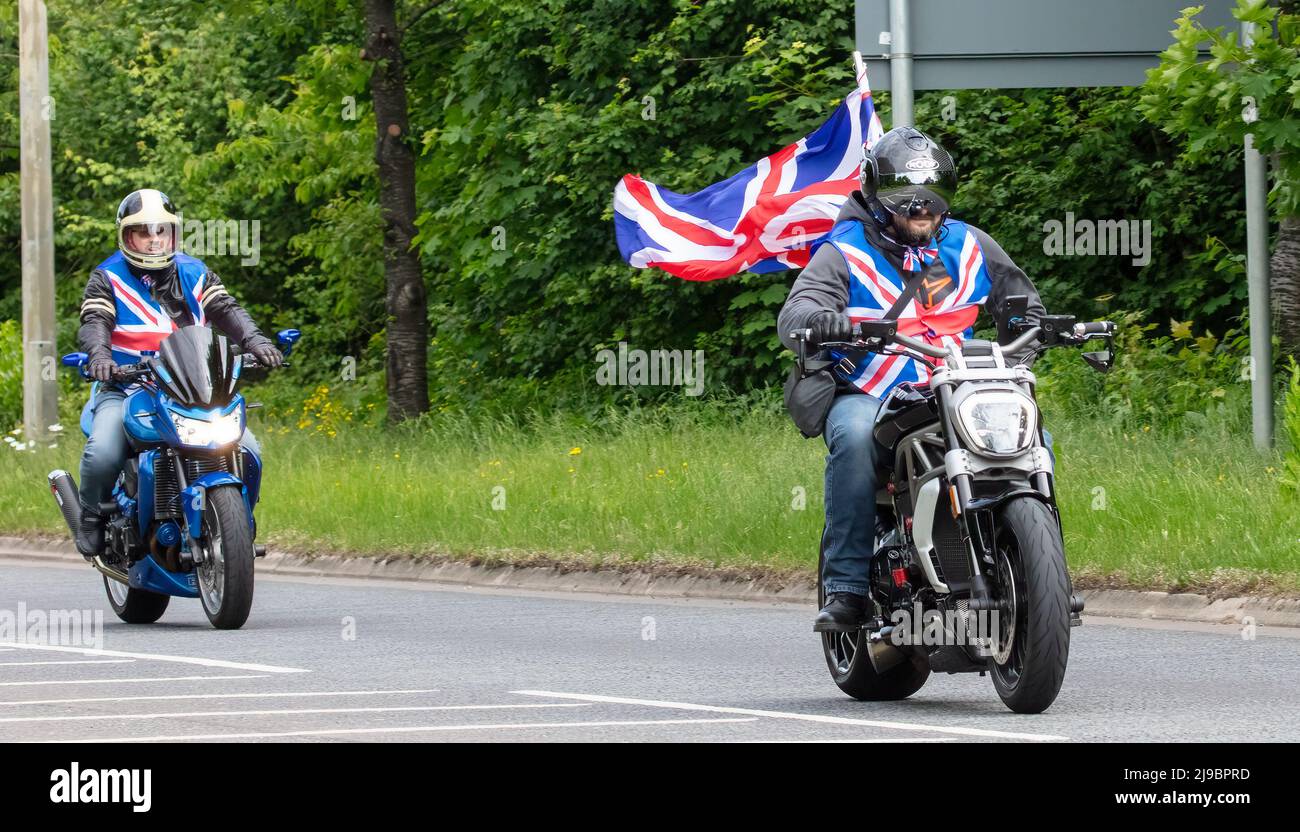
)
(291, 712)
(170, 697)
(126, 681)
(414, 729)
(158, 657)
(69, 661)
(834, 720)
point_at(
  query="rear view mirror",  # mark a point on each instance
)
(287, 338)
(1099, 361)
(1013, 321)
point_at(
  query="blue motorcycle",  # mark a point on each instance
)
(180, 521)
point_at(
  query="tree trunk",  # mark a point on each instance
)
(1284, 284)
(408, 324)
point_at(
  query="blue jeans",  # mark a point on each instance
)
(106, 447)
(850, 536)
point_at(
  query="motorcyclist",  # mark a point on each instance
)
(134, 299)
(897, 224)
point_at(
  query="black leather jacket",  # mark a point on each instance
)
(98, 316)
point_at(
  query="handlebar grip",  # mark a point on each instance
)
(1094, 328)
(250, 362)
(127, 370)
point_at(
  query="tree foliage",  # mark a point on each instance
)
(526, 114)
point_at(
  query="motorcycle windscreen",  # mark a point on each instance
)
(201, 367)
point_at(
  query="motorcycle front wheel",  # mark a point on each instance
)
(1033, 625)
(226, 575)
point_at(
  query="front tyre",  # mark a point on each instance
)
(1033, 586)
(135, 606)
(226, 574)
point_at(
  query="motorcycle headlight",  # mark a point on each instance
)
(220, 430)
(998, 422)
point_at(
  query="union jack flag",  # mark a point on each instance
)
(140, 322)
(915, 258)
(763, 219)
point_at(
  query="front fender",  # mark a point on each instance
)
(194, 496)
(986, 507)
(995, 502)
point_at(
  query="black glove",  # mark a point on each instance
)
(830, 326)
(101, 369)
(266, 354)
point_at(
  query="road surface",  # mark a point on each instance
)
(361, 660)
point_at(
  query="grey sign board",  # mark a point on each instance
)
(972, 44)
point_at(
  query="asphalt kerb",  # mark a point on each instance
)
(1118, 603)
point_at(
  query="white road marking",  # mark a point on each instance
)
(834, 720)
(72, 661)
(125, 681)
(292, 712)
(293, 694)
(414, 729)
(867, 740)
(158, 657)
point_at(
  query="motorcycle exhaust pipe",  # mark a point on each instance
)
(64, 489)
(881, 650)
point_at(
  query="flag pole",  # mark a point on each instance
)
(860, 72)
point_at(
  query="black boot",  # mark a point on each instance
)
(843, 611)
(90, 535)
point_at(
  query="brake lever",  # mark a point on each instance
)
(924, 359)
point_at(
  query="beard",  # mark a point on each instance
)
(901, 229)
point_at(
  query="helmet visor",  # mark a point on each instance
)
(914, 192)
(152, 239)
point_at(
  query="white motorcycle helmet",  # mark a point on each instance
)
(147, 229)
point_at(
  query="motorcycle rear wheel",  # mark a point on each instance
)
(851, 668)
(135, 606)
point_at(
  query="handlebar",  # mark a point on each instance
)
(131, 372)
(1026, 338)
(920, 346)
(1077, 334)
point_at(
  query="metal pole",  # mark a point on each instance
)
(1261, 320)
(40, 381)
(900, 66)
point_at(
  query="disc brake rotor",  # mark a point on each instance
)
(1007, 610)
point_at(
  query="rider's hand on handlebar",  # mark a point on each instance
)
(827, 325)
(101, 369)
(267, 355)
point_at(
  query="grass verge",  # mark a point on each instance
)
(742, 495)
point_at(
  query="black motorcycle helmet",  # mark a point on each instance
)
(906, 172)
